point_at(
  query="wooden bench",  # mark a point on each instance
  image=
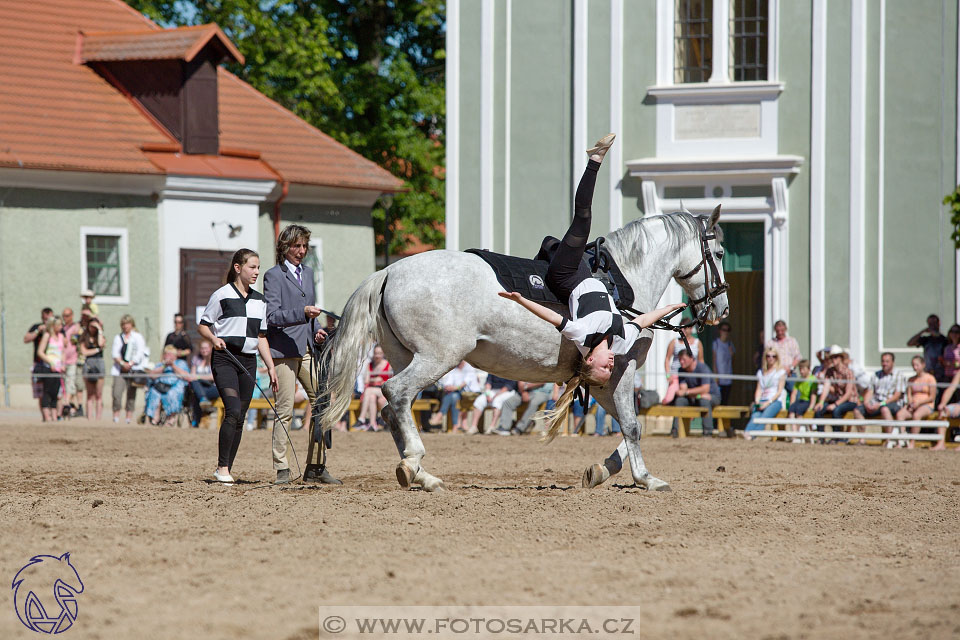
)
(683, 414)
(723, 414)
(420, 404)
(257, 404)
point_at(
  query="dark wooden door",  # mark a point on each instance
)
(201, 273)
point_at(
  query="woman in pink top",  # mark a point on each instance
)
(50, 352)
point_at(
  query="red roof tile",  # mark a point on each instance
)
(55, 114)
(153, 44)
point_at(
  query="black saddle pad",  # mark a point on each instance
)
(528, 277)
(523, 275)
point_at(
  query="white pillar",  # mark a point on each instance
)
(486, 123)
(858, 116)
(818, 115)
(616, 113)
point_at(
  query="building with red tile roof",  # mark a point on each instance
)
(133, 164)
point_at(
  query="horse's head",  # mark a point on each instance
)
(700, 270)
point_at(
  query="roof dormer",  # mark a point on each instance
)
(170, 73)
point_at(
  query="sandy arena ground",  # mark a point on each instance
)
(757, 540)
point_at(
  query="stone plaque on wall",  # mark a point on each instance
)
(704, 121)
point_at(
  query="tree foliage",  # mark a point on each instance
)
(953, 199)
(369, 73)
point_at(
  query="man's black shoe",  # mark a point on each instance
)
(320, 475)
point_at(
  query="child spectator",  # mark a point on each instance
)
(87, 295)
(802, 393)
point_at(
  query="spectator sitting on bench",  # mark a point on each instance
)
(921, 391)
(535, 395)
(839, 393)
(802, 394)
(769, 397)
(452, 385)
(946, 409)
(497, 390)
(372, 401)
(883, 395)
(696, 391)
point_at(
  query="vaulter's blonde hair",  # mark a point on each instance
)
(557, 417)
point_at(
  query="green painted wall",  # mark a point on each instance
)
(499, 125)
(639, 114)
(541, 193)
(470, 124)
(837, 183)
(919, 139)
(598, 109)
(347, 240)
(40, 245)
(793, 118)
(871, 203)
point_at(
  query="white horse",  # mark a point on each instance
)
(432, 310)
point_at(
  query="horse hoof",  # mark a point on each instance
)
(405, 474)
(656, 484)
(434, 485)
(594, 476)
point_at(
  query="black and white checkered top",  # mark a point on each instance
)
(594, 317)
(236, 320)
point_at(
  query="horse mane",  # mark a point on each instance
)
(635, 235)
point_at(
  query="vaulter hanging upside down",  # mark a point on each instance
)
(595, 324)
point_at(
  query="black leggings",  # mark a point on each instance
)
(567, 269)
(51, 387)
(236, 390)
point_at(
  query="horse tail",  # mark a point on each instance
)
(357, 332)
(557, 417)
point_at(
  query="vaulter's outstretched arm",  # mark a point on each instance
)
(644, 320)
(538, 310)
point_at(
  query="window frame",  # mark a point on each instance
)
(121, 233)
(722, 56)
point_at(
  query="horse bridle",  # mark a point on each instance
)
(716, 286)
(713, 286)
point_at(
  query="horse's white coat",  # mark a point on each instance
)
(431, 310)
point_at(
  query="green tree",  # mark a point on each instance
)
(369, 73)
(953, 199)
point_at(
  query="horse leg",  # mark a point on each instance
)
(623, 410)
(400, 391)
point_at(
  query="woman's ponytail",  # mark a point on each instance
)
(557, 417)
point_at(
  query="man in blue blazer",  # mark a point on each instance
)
(289, 292)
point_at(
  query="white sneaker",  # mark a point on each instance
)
(223, 478)
(116, 420)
